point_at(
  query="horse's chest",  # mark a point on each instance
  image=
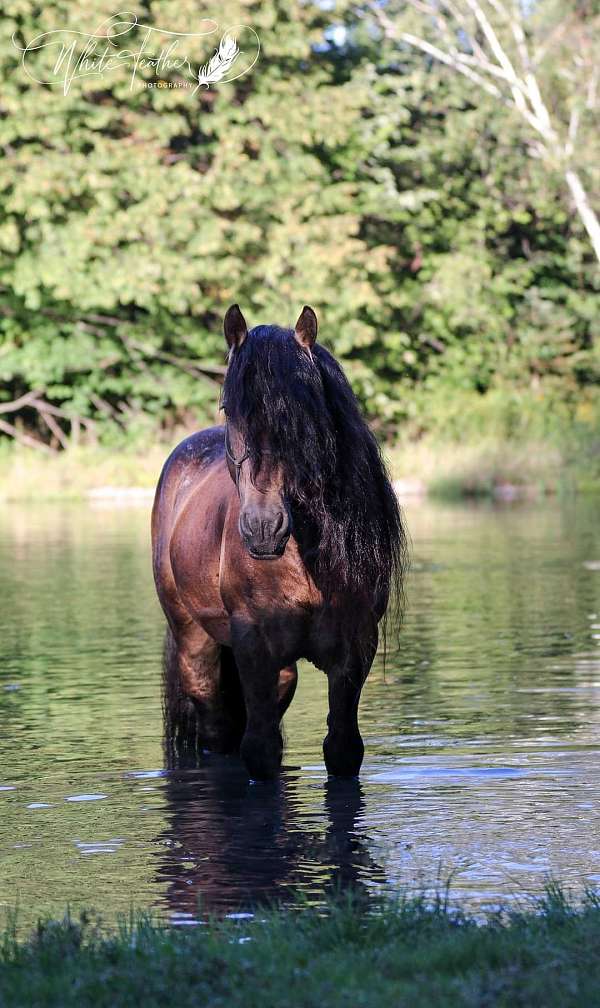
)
(266, 588)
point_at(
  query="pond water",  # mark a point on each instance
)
(482, 736)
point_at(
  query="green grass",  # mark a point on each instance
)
(504, 444)
(396, 954)
(487, 466)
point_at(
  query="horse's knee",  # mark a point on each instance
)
(262, 754)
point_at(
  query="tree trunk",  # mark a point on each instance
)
(585, 211)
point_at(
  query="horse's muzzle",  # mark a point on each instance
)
(265, 532)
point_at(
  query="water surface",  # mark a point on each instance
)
(482, 734)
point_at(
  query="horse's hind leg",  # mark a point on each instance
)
(202, 697)
(179, 714)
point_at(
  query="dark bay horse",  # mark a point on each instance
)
(275, 537)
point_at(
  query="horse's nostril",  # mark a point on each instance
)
(245, 524)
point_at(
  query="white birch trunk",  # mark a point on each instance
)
(525, 95)
(584, 209)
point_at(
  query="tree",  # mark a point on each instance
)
(345, 170)
(131, 217)
(509, 54)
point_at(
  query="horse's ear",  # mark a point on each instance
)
(234, 326)
(306, 328)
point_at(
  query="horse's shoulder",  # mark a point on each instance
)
(201, 448)
(190, 459)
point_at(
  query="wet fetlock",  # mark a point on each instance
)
(218, 730)
(343, 754)
(262, 755)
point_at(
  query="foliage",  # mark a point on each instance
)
(369, 182)
(406, 952)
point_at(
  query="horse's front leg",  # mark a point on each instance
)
(343, 747)
(262, 744)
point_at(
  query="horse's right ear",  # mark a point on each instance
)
(306, 329)
(234, 326)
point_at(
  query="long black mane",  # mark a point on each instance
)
(301, 409)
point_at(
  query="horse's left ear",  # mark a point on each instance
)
(235, 328)
(305, 330)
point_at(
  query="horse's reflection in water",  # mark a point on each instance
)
(233, 846)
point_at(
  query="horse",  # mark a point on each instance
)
(275, 537)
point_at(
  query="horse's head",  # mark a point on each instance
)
(256, 468)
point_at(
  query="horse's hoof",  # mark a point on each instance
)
(343, 759)
(261, 757)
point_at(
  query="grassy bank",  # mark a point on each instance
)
(26, 474)
(501, 445)
(401, 954)
(505, 444)
(486, 467)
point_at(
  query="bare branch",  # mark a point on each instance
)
(96, 330)
(103, 406)
(24, 438)
(390, 31)
(584, 209)
(592, 89)
(451, 60)
(573, 127)
(195, 368)
(434, 343)
(55, 429)
(484, 64)
(127, 409)
(111, 320)
(523, 91)
(46, 407)
(461, 20)
(516, 26)
(539, 108)
(192, 367)
(425, 8)
(475, 69)
(499, 53)
(17, 404)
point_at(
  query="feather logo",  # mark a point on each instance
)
(220, 64)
